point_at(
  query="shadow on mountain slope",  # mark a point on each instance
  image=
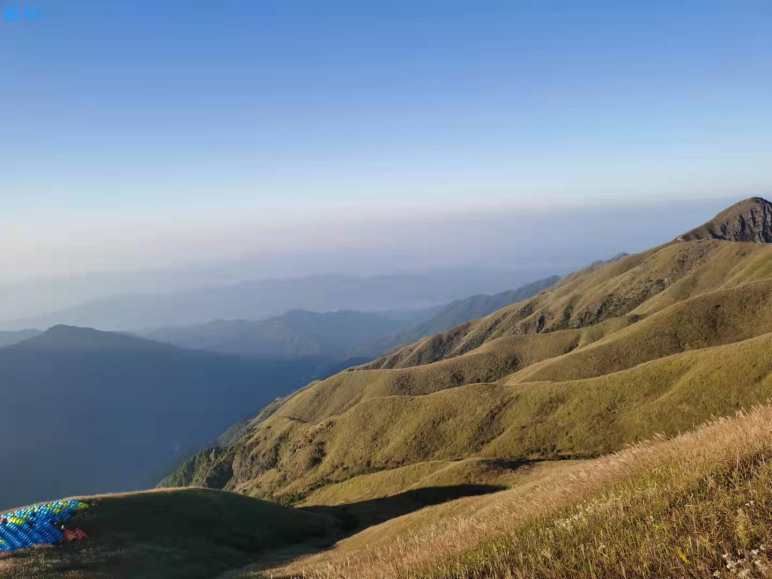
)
(354, 517)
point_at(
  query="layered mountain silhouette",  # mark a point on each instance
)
(296, 334)
(9, 338)
(91, 411)
(337, 336)
(259, 299)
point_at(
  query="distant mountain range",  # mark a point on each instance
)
(337, 335)
(255, 300)
(90, 411)
(296, 334)
(14, 337)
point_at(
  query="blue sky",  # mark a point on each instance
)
(126, 116)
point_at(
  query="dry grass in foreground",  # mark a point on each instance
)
(698, 505)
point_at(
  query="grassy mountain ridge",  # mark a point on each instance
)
(610, 355)
(696, 505)
(715, 318)
(573, 419)
(636, 286)
(581, 299)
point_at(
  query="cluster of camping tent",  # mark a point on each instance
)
(38, 525)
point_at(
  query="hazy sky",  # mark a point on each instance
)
(137, 134)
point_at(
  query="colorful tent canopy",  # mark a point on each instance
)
(36, 525)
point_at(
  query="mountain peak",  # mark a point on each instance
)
(749, 220)
(62, 337)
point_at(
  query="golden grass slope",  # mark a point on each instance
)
(719, 317)
(545, 420)
(698, 505)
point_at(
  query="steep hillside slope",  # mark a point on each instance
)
(694, 506)
(573, 419)
(654, 342)
(719, 317)
(90, 411)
